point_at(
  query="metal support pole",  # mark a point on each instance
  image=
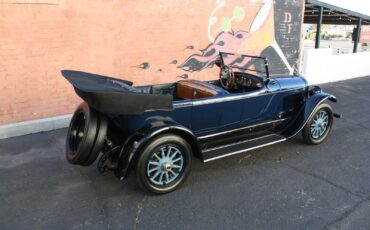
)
(357, 34)
(318, 28)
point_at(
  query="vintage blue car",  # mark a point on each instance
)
(156, 130)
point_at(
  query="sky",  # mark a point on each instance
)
(361, 6)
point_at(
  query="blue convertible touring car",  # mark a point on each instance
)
(155, 130)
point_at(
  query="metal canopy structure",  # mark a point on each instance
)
(332, 14)
(317, 12)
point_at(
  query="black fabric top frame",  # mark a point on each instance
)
(115, 96)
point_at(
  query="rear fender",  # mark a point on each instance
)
(136, 142)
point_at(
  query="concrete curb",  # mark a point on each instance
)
(34, 126)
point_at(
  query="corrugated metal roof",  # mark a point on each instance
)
(332, 14)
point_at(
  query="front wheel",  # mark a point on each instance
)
(164, 164)
(319, 125)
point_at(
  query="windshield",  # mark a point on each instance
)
(246, 63)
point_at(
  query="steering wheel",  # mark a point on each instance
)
(227, 77)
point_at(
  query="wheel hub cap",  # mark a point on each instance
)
(167, 167)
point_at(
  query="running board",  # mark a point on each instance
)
(240, 147)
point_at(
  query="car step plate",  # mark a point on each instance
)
(240, 147)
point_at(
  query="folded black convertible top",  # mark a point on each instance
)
(114, 96)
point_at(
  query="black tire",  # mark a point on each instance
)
(309, 135)
(82, 135)
(168, 143)
(99, 140)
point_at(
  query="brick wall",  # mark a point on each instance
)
(141, 41)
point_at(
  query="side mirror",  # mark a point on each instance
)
(218, 62)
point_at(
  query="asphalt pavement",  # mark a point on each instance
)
(289, 185)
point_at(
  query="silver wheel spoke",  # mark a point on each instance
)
(161, 177)
(322, 131)
(169, 151)
(156, 174)
(153, 163)
(177, 159)
(152, 170)
(162, 153)
(167, 177)
(174, 154)
(156, 156)
(171, 171)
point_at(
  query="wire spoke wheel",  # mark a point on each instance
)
(319, 124)
(165, 165)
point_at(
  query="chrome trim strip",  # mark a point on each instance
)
(247, 127)
(227, 97)
(177, 105)
(244, 150)
(236, 143)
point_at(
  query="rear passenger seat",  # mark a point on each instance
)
(188, 89)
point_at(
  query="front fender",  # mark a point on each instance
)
(315, 98)
(137, 141)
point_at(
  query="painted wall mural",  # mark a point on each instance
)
(230, 30)
(269, 28)
(146, 42)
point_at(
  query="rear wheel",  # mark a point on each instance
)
(164, 164)
(85, 135)
(319, 125)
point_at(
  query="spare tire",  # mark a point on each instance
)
(99, 140)
(84, 134)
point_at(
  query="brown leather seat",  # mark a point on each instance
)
(188, 89)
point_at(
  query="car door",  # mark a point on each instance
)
(235, 110)
(205, 116)
(262, 105)
(214, 114)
